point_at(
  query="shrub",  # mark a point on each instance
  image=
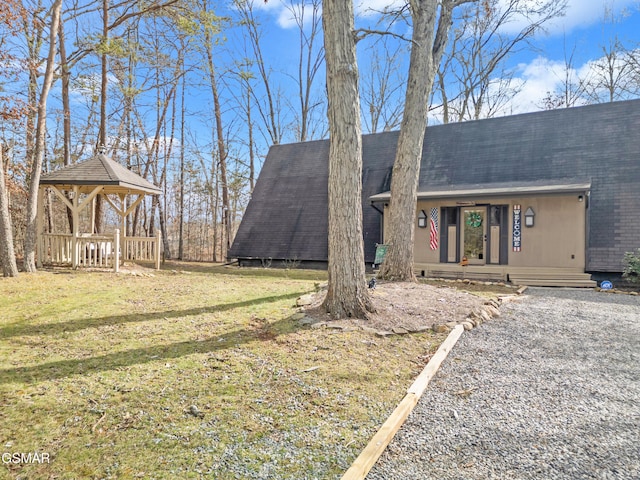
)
(632, 266)
(291, 263)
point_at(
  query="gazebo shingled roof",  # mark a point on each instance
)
(100, 170)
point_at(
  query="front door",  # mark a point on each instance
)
(474, 235)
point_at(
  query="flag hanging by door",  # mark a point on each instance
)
(433, 229)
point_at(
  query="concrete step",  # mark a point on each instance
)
(568, 276)
(535, 281)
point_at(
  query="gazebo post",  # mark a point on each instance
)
(158, 249)
(116, 253)
(75, 254)
(123, 224)
(39, 226)
(93, 214)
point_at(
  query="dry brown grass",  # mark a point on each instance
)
(198, 370)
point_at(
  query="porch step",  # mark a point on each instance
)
(471, 275)
(541, 279)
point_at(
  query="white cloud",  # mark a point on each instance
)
(270, 6)
(291, 13)
(285, 11)
(585, 13)
(579, 14)
(286, 19)
(281, 10)
(536, 79)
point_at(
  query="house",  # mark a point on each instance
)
(544, 198)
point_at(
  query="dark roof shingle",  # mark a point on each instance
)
(598, 144)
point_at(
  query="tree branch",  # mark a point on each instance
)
(361, 33)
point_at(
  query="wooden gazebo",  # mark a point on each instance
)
(83, 182)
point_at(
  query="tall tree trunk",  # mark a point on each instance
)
(347, 295)
(181, 186)
(162, 206)
(252, 161)
(102, 134)
(272, 116)
(222, 152)
(66, 113)
(7, 254)
(426, 52)
(31, 233)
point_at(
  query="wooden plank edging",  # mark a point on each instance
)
(378, 443)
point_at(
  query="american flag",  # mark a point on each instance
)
(433, 229)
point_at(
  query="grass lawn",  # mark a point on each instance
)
(198, 371)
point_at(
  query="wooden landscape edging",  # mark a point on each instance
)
(369, 456)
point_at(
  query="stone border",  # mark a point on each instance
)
(475, 318)
(615, 290)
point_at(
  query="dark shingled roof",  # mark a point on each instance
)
(287, 215)
(100, 170)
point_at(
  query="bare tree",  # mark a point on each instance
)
(473, 81)
(270, 110)
(10, 110)
(612, 76)
(7, 254)
(38, 156)
(431, 25)
(570, 89)
(209, 30)
(245, 106)
(382, 88)
(347, 295)
(307, 17)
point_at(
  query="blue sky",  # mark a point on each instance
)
(536, 70)
(583, 30)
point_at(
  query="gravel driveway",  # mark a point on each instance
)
(549, 390)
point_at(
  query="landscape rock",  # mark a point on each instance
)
(334, 326)
(441, 328)
(400, 331)
(364, 328)
(384, 333)
(305, 300)
(306, 321)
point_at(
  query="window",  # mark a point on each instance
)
(495, 215)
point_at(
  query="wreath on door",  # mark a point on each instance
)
(474, 219)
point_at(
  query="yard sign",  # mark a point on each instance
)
(517, 237)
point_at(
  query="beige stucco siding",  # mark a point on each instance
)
(422, 251)
(557, 240)
(558, 237)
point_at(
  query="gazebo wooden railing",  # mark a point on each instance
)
(99, 250)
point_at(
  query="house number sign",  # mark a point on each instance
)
(517, 229)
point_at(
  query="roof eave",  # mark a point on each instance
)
(113, 186)
(491, 192)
